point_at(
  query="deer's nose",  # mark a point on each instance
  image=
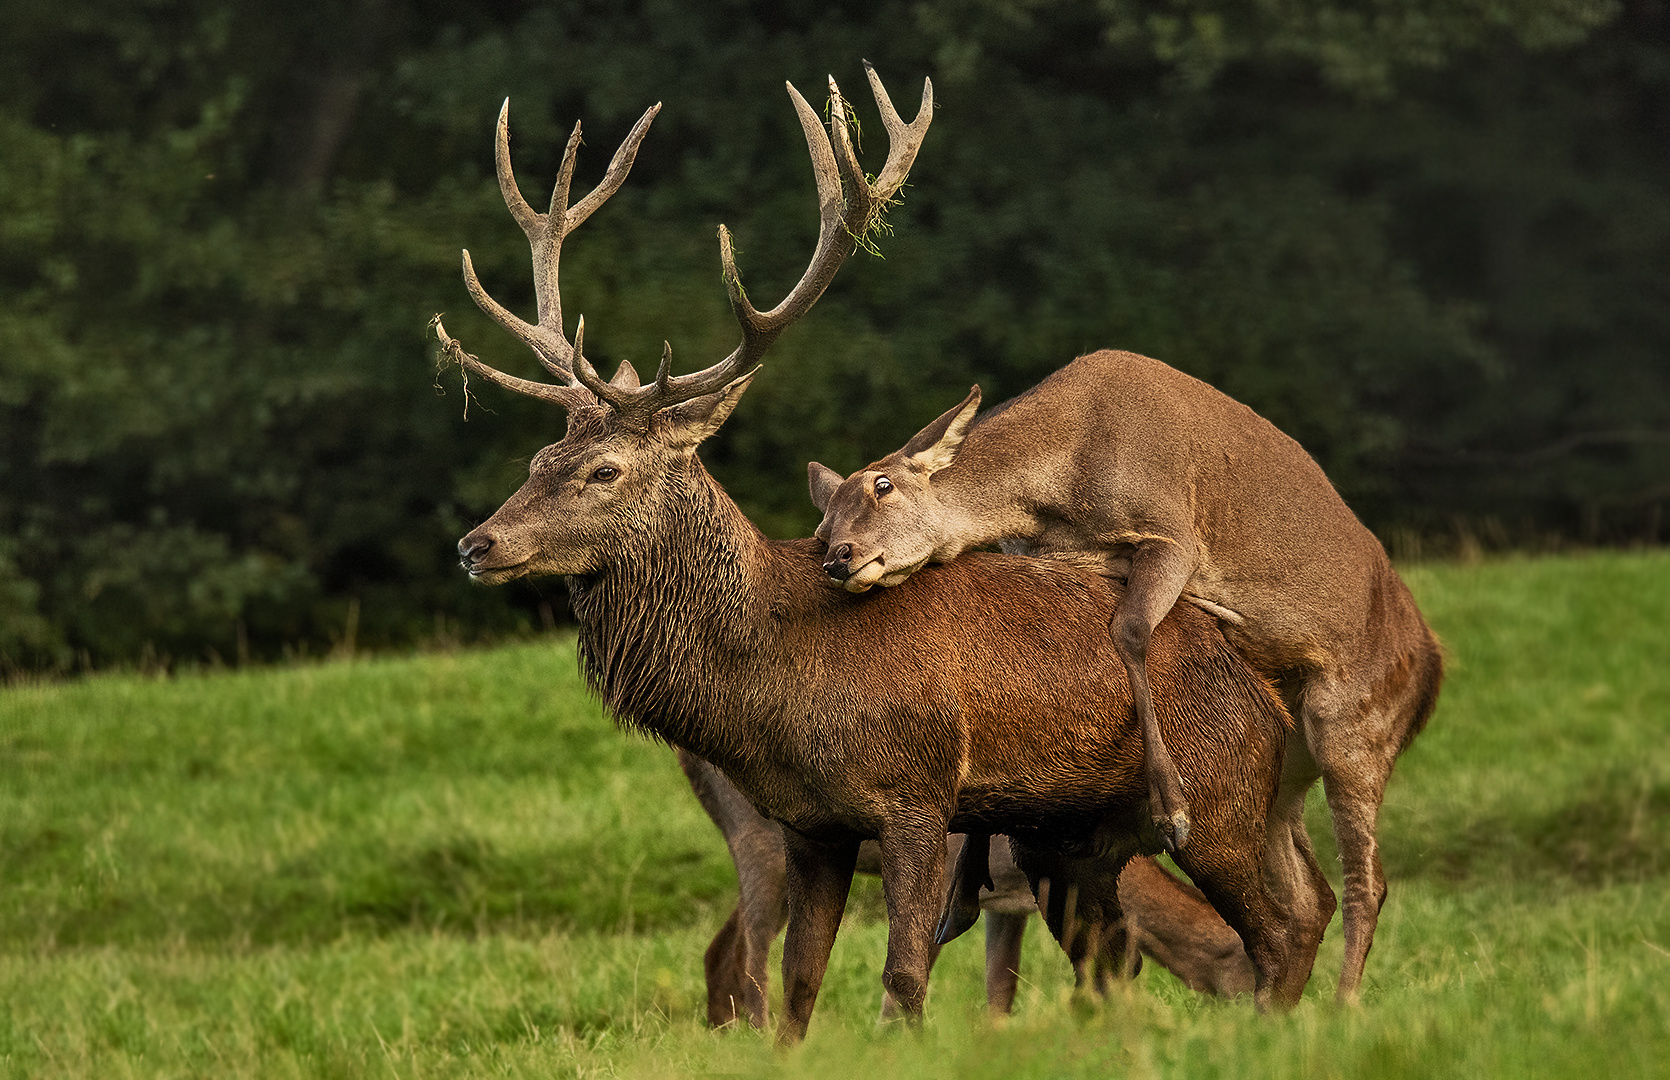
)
(473, 548)
(839, 565)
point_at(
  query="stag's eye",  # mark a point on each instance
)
(883, 486)
(604, 473)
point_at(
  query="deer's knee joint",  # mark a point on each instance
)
(1130, 637)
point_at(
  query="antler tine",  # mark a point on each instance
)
(846, 211)
(903, 140)
(551, 348)
(544, 242)
(545, 233)
(619, 166)
(636, 406)
(565, 396)
(620, 398)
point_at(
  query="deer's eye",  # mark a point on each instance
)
(604, 473)
(883, 485)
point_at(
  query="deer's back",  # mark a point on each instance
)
(1116, 446)
(995, 676)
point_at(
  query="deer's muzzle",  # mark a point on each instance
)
(473, 549)
(839, 565)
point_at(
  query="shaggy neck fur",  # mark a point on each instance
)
(677, 607)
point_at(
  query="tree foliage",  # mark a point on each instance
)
(1430, 240)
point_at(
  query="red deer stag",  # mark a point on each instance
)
(1194, 496)
(1164, 919)
(982, 696)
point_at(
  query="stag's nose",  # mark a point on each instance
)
(839, 565)
(473, 548)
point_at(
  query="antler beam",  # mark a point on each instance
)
(849, 206)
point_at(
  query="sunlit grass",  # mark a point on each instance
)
(454, 866)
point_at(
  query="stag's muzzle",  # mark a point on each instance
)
(473, 549)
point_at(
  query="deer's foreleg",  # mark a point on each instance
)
(819, 877)
(913, 877)
(1159, 570)
(962, 897)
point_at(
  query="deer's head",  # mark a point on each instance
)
(629, 442)
(604, 481)
(885, 521)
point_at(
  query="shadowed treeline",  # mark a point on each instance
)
(1429, 240)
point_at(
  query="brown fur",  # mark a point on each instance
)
(977, 697)
(1190, 495)
(1163, 918)
(984, 703)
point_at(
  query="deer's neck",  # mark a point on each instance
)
(674, 633)
(1000, 487)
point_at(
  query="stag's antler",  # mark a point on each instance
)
(850, 205)
(545, 233)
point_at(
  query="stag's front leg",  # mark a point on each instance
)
(913, 877)
(1159, 571)
(819, 878)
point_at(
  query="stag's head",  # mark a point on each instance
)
(885, 521)
(605, 480)
(628, 443)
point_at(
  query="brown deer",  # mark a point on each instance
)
(982, 696)
(1151, 914)
(1195, 497)
(1164, 919)
(1106, 915)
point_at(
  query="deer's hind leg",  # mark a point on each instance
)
(1290, 867)
(1079, 899)
(737, 963)
(1004, 933)
(1159, 571)
(1355, 732)
(1232, 879)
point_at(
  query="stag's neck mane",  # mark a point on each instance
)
(682, 608)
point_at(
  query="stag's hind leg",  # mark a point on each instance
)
(1232, 879)
(1290, 868)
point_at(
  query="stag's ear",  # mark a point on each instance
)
(935, 446)
(626, 376)
(688, 424)
(823, 481)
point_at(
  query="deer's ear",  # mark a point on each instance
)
(626, 376)
(823, 481)
(935, 446)
(688, 424)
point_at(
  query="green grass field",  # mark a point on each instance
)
(453, 865)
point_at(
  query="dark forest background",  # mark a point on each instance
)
(1428, 238)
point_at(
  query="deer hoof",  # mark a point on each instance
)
(958, 918)
(1173, 830)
